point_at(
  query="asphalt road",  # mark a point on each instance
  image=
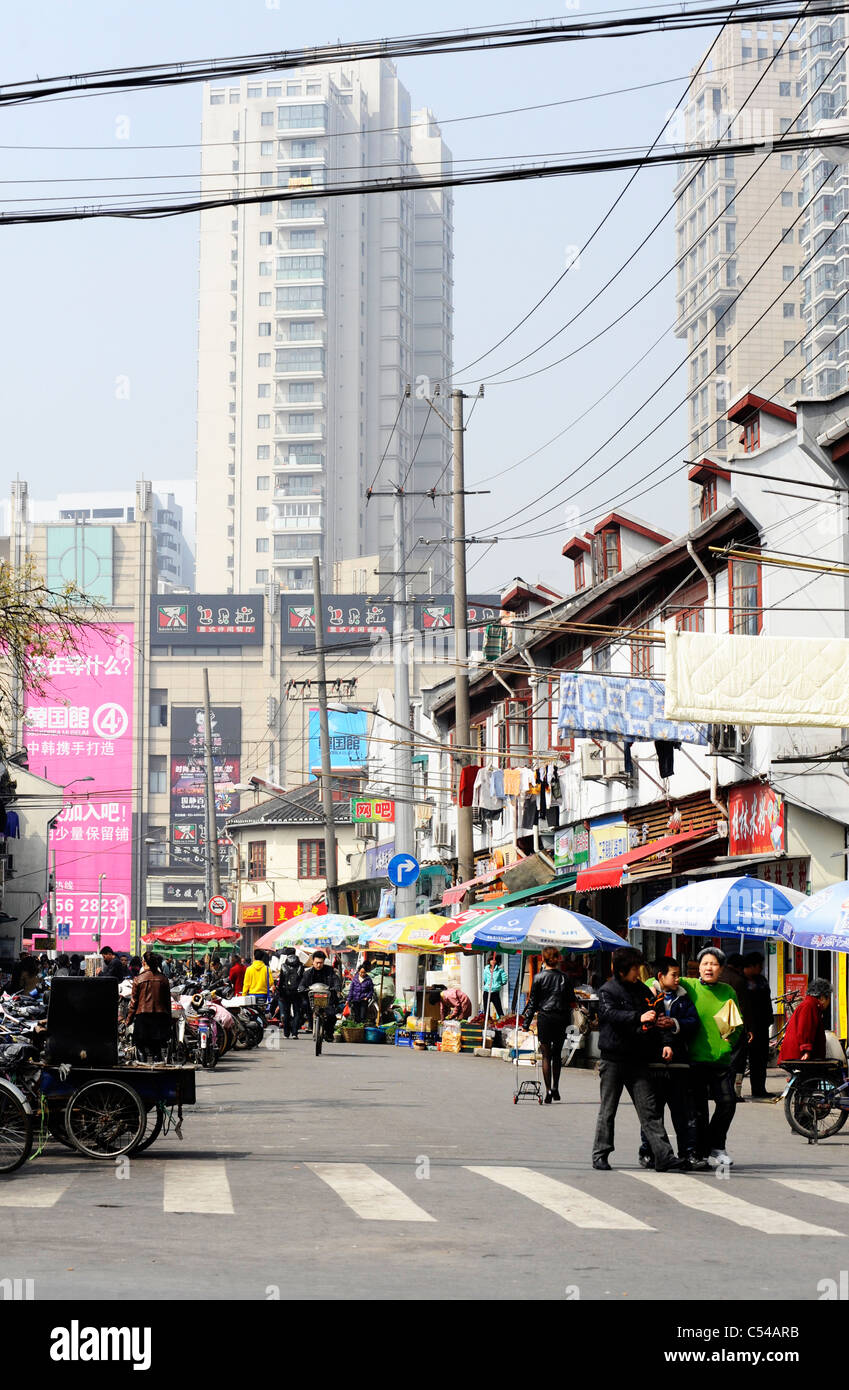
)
(381, 1173)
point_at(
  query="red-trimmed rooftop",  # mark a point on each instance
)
(750, 404)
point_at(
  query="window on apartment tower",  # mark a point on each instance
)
(745, 603)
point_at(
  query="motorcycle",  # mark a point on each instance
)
(816, 1098)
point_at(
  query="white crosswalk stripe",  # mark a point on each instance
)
(31, 1190)
(368, 1194)
(198, 1186)
(817, 1187)
(570, 1203)
(709, 1196)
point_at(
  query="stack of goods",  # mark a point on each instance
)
(471, 1037)
(452, 1037)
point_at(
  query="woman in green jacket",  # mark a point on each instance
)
(711, 1058)
(494, 980)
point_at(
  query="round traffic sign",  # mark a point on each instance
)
(402, 870)
(217, 905)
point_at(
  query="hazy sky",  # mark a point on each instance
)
(87, 305)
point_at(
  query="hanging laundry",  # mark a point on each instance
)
(530, 812)
(512, 781)
(466, 788)
(13, 826)
(543, 790)
(666, 756)
(498, 786)
(555, 791)
(629, 761)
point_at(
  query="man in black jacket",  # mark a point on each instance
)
(627, 1042)
(288, 991)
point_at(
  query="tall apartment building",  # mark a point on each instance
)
(315, 315)
(725, 231)
(826, 183)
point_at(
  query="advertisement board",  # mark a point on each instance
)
(188, 777)
(755, 820)
(283, 912)
(370, 809)
(356, 618)
(571, 847)
(607, 839)
(377, 859)
(348, 739)
(80, 732)
(198, 620)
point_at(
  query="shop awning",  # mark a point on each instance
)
(610, 873)
(554, 885)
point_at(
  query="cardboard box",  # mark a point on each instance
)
(428, 1024)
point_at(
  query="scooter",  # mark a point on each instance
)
(816, 1098)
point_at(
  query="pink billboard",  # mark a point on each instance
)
(80, 732)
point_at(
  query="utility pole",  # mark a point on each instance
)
(405, 838)
(465, 840)
(213, 872)
(324, 738)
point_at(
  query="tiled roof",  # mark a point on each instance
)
(299, 807)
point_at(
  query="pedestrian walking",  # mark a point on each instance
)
(360, 995)
(257, 981)
(760, 1020)
(150, 1009)
(551, 998)
(113, 967)
(626, 1014)
(237, 973)
(711, 1058)
(677, 1023)
(804, 1037)
(289, 992)
(494, 980)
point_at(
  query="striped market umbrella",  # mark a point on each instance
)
(820, 922)
(335, 930)
(415, 933)
(531, 928)
(738, 906)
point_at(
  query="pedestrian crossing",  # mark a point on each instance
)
(202, 1187)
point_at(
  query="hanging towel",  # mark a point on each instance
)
(466, 789)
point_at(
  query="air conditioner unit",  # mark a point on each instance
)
(442, 837)
(365, 830)
(592, 762)
(613, 759)
(724, 739)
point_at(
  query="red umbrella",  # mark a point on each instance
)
(187, 933)
(452, 923)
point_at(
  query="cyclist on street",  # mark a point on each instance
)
(318, 972)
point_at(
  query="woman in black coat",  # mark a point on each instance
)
(552, 999)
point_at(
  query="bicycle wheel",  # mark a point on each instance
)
(155, 1131)
(810, 1111)
(105, 1119)
(16, 1129)
(318, 1032)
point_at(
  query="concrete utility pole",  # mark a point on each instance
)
(465, 840)
(324, 738)
(405, 835)
(213, 872)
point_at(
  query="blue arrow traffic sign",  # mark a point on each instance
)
(403, 870)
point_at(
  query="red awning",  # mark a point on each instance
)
(609, 874)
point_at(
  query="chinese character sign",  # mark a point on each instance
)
(755, 820)
(372, 809)
(82, 727)
(348, 739)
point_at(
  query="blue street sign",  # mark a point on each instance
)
(402, 870)
(63, 930)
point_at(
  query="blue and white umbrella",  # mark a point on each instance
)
(821, 921)
(531, 928)
(741, 906)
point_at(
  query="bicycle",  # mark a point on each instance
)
(320, 1004)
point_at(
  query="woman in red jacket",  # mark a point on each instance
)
(804, 1039)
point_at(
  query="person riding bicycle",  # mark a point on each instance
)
(318, 972)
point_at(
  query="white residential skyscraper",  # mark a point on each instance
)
(315, 314)
(738, 242)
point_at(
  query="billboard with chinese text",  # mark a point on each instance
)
(79, 733)
(198, 620)
(348, 739)
(188, 777)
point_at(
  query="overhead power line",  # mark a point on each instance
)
(91, 211)
(516, 35)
